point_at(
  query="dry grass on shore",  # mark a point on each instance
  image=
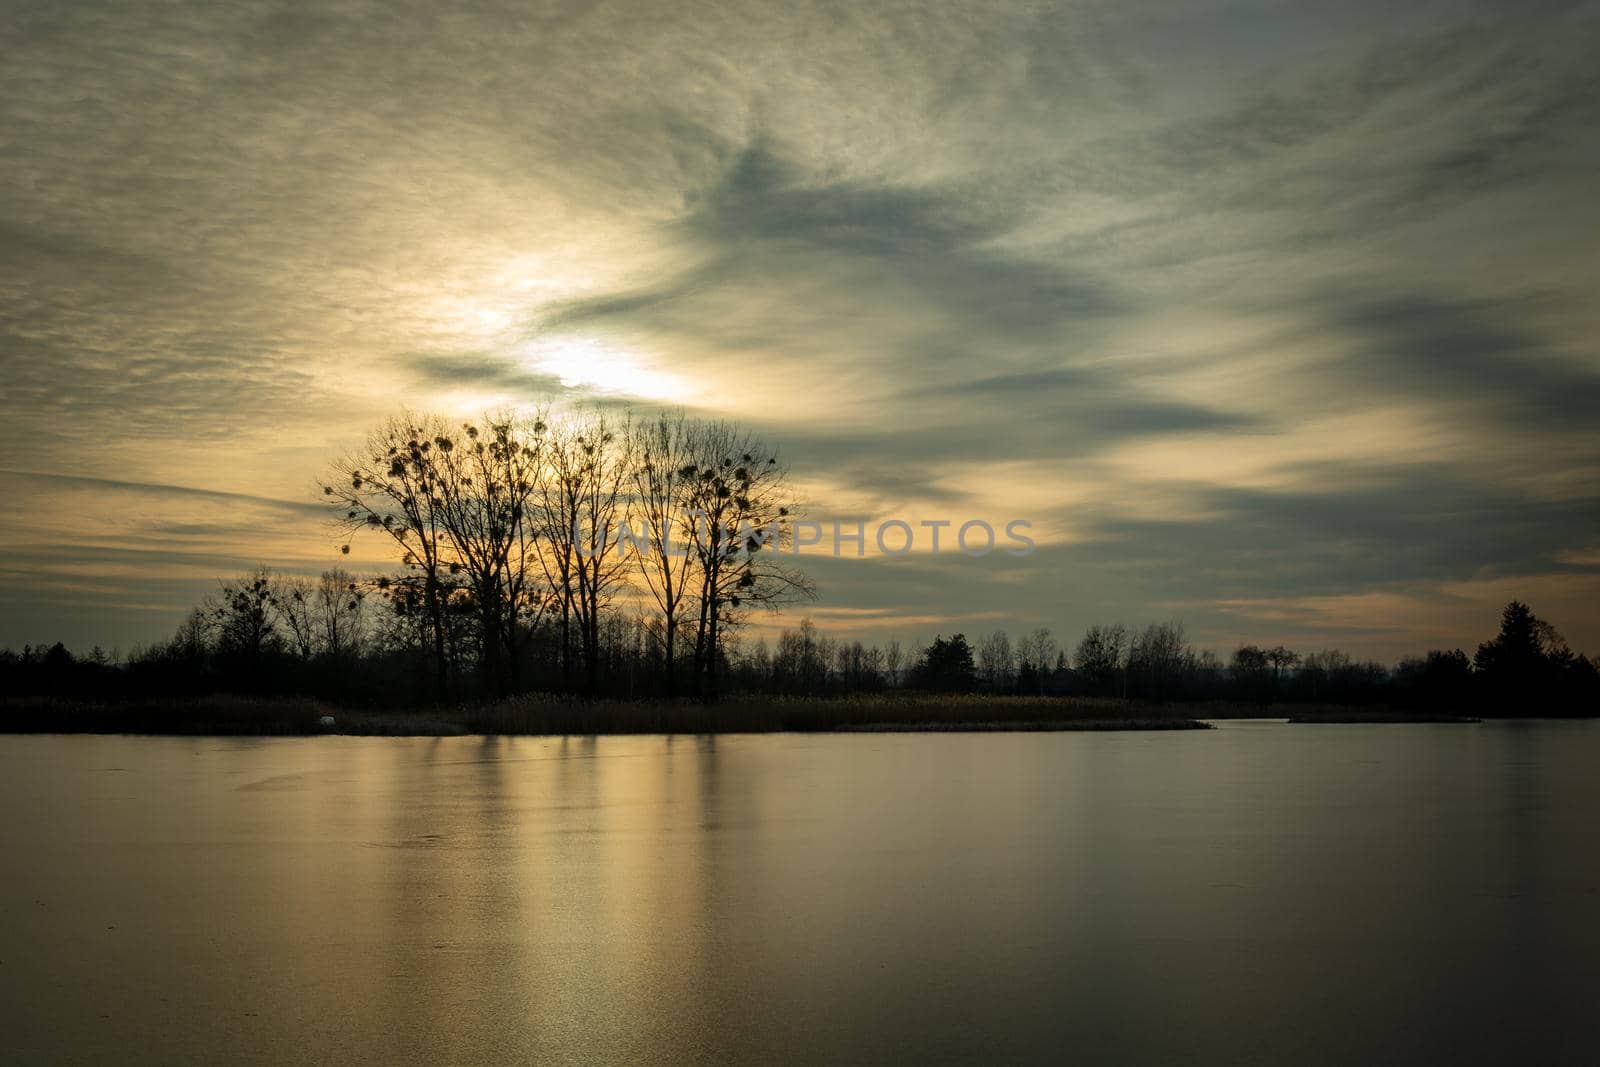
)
(542, 714)
(557, 715)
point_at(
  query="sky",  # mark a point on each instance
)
(1276, 319)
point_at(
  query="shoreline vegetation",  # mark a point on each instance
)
(504, 588)
(549, 715)
(546, 715)
(506, 615)
(555, 716)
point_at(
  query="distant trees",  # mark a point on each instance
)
(802, 661)
(1251, 669)
(1101, 660)
(296, 609)
(1156, 663)
(1334, 676)
(367, 637)
(894, 660)
(1036, 659)
(1282, 659)
(1158, 660)
(1438, 681)
(859, 669)
(325, 616)
(996, 662)
(339, 614)
(600, 554)
(1277, 673)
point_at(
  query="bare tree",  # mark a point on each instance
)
(736, 493)
(1036, 654)
(246, 619)
(486, 480)
(294, 598)
(559, 487)
(894, 661)
(1159, 657)
(996, 661)
(392, 486)
(1101, 657)
(340, 614)
(195, 636)
(1282, 659)
(664, 463)
(582, 492)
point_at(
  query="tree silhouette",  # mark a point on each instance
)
(946, 666)
(1526, 658)
(996, 661)
(1100, 658)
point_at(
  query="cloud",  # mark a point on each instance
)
(1259, 307)
(1478, 353)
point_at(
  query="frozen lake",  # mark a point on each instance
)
(1256, 893)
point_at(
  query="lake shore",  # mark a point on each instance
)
(1360, 715)
(541, 714)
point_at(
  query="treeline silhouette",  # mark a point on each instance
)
(511, 579)
(1524, 670)
(355, 642)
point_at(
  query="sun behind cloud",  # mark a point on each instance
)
(590, 364)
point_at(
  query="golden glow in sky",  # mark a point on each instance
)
(584, 363)
(1215, 311)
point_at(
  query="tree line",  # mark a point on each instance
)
(1525, 669)
(588, 552)
(337, 638)
(509, 535)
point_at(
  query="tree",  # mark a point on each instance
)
(872, 668)
(736, 494)
(1334, 675)
(583, 487)
(1251, 671)
(339, 610)
(195, 637)
(1525, 643)
(392, 486)
(1036, 655)
(996, 661)
(486, 478)
(664, 460)
(894, 659)
(1158, 659)
(293, 596)
(246, 620)
(1439, 680)
(597, 455)
(946, 666)
(800, 664)
(1524, 660)
(1282, 659)
(1100, 657)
